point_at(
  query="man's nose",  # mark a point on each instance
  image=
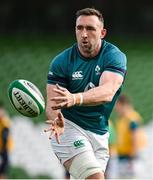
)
(84, 33)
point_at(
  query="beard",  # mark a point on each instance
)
(89, 48)
(86, 47)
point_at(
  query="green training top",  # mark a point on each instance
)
(78, 74)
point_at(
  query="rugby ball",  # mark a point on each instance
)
(26, 98)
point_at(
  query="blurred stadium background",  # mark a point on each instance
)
(33, 32)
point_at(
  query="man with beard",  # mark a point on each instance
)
(84, 81)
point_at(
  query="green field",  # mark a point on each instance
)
(29, 58)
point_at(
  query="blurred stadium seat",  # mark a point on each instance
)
(32, 149)
(33, 152)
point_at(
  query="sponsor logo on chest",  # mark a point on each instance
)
(77, 75)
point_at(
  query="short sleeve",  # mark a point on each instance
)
(116, 62)
(57, 72)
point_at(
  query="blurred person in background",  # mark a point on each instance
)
(6, 143)
(84, 81)
(131, 138)
(112, 166)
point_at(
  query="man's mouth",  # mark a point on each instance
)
(85, 42)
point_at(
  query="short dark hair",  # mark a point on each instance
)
(90, 12)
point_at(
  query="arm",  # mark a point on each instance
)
(134, 127)
(135, 141)
(55, 117)
(50, 113)
(4, 153)
(5, 134)
(56, 74)
(109, 83)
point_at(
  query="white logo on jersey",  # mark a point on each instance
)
(97, 69)
(90, 85)
(77, 75)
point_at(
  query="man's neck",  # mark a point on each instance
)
(92, 53)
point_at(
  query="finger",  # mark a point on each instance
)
(61, 98)
(52, 134)
(60, 122)
(59, 87)
(49, 122)
(60, 116)
(48, 129)
(59, 91)
(59, 106)
(57, 137)
(52, 122)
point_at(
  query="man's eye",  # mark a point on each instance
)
(90, 28)
(79, 27)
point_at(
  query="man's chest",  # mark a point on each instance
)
(84, 75)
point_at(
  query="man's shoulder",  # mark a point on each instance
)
(63, 59)
(110, 48)
(66, 52)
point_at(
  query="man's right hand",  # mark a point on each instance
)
(56, 127)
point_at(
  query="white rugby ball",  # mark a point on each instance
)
(26, 98)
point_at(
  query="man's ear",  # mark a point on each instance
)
(103, 33)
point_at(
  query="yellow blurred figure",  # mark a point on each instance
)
(131, 138)
(6, 142)
(112, 170)
(112, 139)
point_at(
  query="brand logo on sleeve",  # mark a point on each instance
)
(77, 75)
